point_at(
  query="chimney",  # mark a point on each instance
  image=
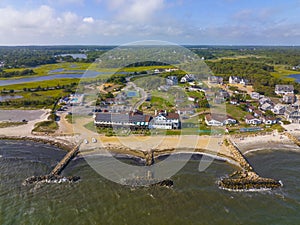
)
(155, 113)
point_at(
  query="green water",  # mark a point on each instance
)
(194, 199)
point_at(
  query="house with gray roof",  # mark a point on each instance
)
(284, 89)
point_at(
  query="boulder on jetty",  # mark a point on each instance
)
(146, 182)
(50, 179)
(246, 181)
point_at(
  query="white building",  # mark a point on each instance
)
(255, 95)
(172, 80)
(292, 114)
(289, 99)
(166, 121)
(266, 106)
(187, 78)
(238, 80)
(284, 89)
(251, 120)
(219, 120)
(279, 109)
(269, 120)
(215, 80)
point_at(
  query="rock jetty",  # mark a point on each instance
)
(54, 176)
(246, 179)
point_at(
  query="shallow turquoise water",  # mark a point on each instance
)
(194, 199)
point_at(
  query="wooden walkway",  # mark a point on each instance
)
(292, 138)
(64, 162)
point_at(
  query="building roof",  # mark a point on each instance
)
(218, 117)
(249, 117)
(285, 88)
(272, 118)
(172, 116)
(123, 118)
(258, 112)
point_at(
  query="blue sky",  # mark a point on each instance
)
(103, 22)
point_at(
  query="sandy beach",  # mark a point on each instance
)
(212, 145)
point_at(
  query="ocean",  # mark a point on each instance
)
(194, 199)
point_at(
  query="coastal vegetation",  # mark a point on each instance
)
(37, 95)
(48, 126)
(12, 124)
(264, 67)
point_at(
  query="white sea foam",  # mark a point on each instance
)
(247, 190)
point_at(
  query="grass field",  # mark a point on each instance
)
(235, 112)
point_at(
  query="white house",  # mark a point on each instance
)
(284, 89)
(238, 80)
(219, 120)
(251, 108)
(255, 95)
(172, 80)
(257, 113)
(266, 106)
(187, 78)
(171, 69)
(269, 120)
(292, 114)
(279, 109)
(251, 120)
(234, 80)
(264, 100)
(234, 102)
(244, 81)
(158, 71)
(215, 80)
(166, 121)
(289, 98)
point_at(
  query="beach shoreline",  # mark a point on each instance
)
(137, 145)
(115, 145)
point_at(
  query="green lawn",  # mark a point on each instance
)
(235, 112)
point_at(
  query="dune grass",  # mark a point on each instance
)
(48, 126)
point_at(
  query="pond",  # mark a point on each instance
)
(75, 56)
(9, 97)
(296, 77)
(87, 74)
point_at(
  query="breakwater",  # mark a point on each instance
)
(247, 178)
(292, 138)
(54, 175)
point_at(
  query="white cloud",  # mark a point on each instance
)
(45, 25)
(66, 2)
(88, 20)
(138, 11)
